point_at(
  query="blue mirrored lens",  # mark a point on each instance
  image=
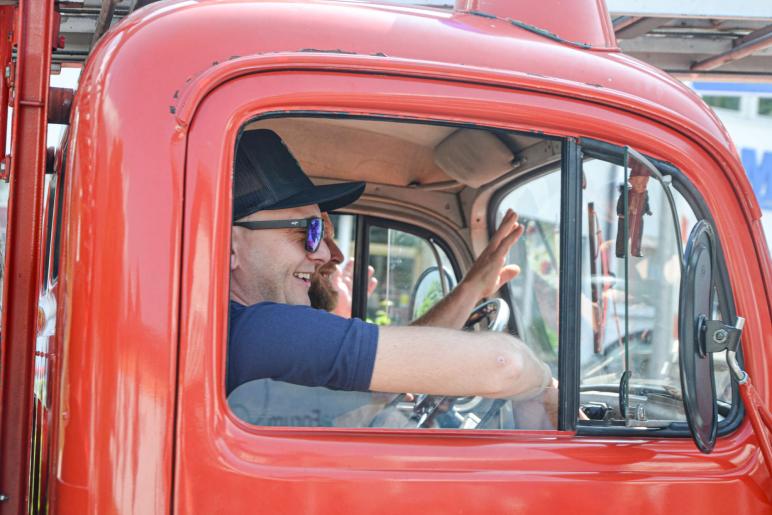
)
(315, 234)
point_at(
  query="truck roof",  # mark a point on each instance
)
(497, 47)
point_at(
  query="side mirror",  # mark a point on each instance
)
(429, 289)
(700, 336)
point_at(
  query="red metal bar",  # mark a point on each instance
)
(760, 417)
(7, 19)
(585, 21)
(24, 256)
(624, 22)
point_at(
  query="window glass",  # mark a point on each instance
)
(765, 106)
(50, 203)
(629, 288)
(42, 385)
(335, 294)
(723, 379)
(534, 292)
(723, 102)
(633, 288)
(58, 218)
(406, 268)
(344, 233)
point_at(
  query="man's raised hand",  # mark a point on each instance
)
(490, 271)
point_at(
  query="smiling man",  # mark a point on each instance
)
(332, 287)
(278, 242)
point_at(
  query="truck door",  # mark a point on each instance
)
(596, 299)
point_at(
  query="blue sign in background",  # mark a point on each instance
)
(757, 163)
(759, 170)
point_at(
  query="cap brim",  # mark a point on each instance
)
(329, 196)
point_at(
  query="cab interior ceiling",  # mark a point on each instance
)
(415, 155)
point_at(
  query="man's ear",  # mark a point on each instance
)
(234, 255)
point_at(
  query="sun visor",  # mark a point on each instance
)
(473, 157)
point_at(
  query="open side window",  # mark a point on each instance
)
(400, 251)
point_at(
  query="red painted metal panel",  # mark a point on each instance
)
(24, 256)
(118, 290)
(379, 471)
(579, 21)
(395, 33)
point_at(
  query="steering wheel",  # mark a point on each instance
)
(494, 315)
(495, 311)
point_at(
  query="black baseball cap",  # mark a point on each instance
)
(267, 177)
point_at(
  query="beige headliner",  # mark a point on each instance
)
(393, 155)
(382, 152)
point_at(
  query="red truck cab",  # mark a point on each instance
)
(450, 117)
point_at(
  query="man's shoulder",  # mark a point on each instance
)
(275, 312)
(270, 307)
(300, 345)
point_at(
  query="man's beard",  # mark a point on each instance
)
(321, 293)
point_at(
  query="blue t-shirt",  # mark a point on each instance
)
(300, 345)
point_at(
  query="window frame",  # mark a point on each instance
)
(365, 221)
(570, 285)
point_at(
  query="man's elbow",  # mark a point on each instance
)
(512, 373)
(503, 373)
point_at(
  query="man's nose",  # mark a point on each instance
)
(336, 256)
(322, 254)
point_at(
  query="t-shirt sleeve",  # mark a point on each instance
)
(300, 345)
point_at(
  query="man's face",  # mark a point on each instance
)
(273, 264)
(323, 294)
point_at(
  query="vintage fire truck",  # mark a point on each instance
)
(645, 283)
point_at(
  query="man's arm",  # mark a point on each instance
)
(455, 363)
(488, 273)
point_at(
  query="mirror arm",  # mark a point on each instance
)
(716, 336)
(740, 375)
(733, 334)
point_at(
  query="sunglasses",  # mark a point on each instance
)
(314, 227)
